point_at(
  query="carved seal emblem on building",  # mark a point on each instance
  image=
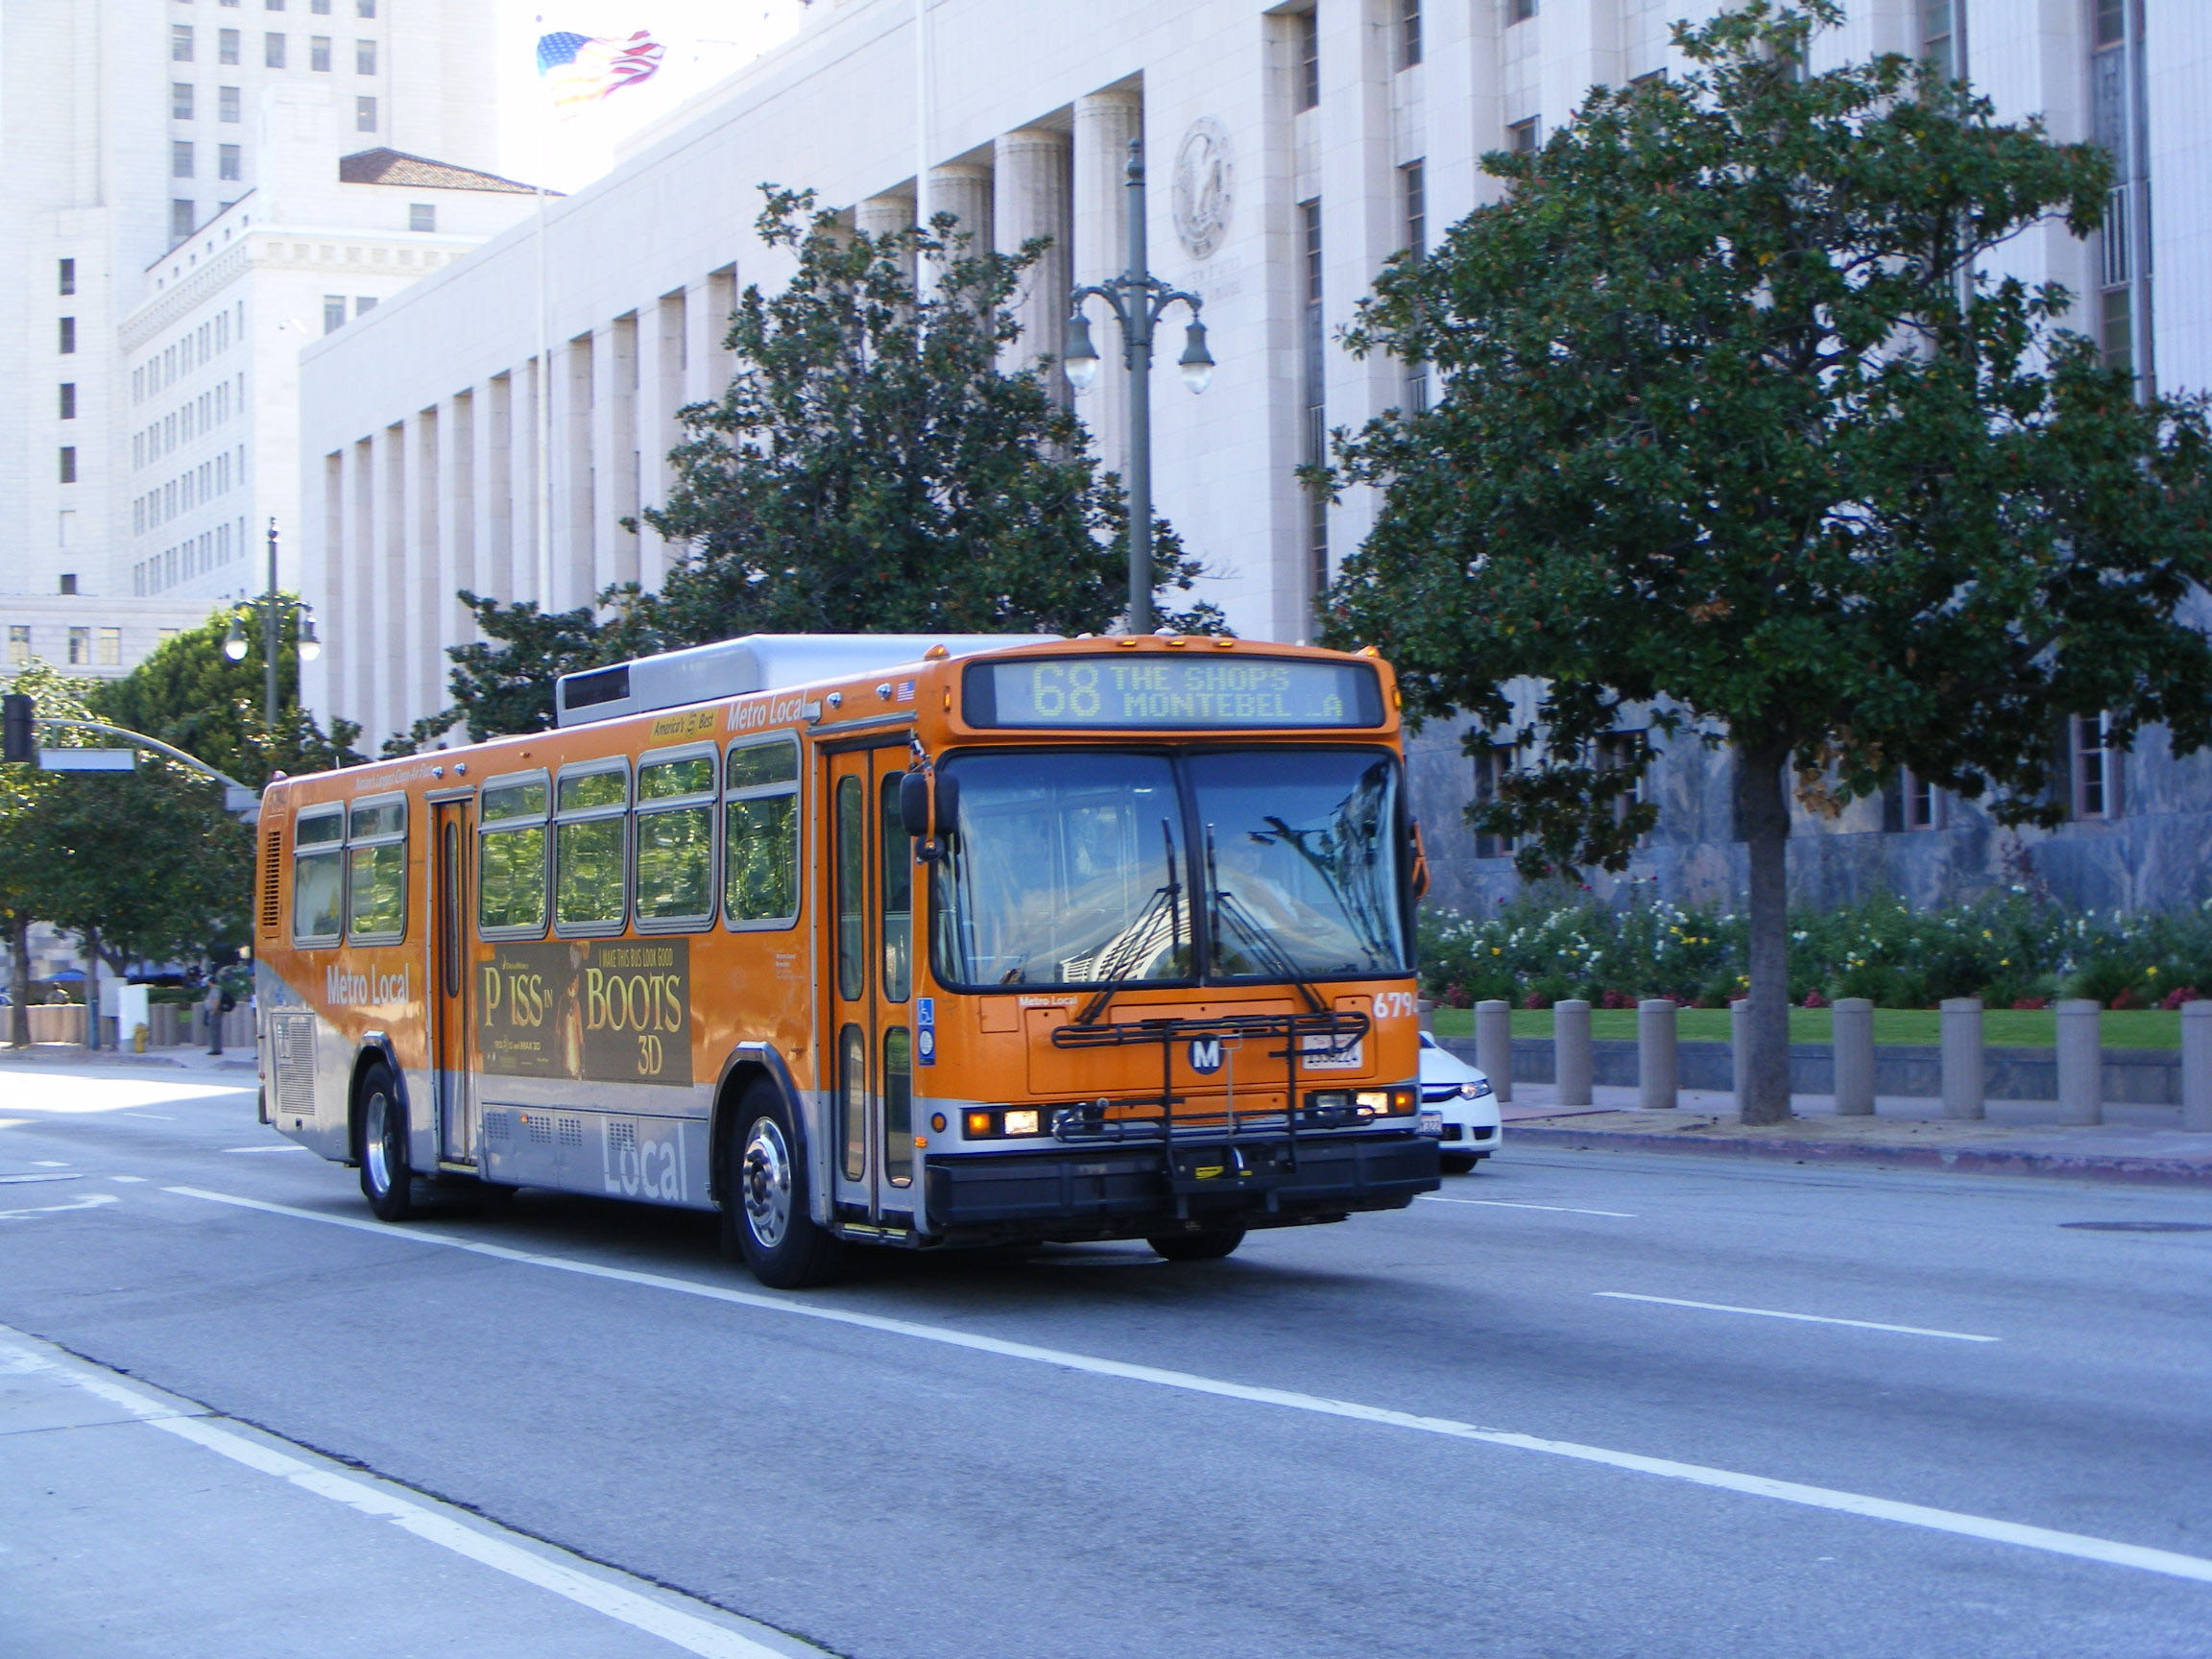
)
(1204, 187)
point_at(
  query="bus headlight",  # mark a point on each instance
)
(1023, 1123)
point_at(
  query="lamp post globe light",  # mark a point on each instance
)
(270, 609)
(1139, 299)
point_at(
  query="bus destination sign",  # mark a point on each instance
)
(1152, 692)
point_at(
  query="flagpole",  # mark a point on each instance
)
(544, 423)
(922, 114)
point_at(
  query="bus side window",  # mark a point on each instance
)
(319, 876)
(761, 835)
(674, 878)
(511, 858)
(376, 871)
(590, 858)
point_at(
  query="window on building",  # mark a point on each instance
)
(333, 313)
(364, 57)
(68, 581)
(422, 216)
(1314, 375)
(181, 43)
(2096, 766)
(1413, 189)
(227, 102)
(180, 220)
(80, 647)
(1307, 45)
(272, 5)
(107, 648)
(68, 399)
(364, 303)
(1919, 802)
(1521, 137)
(321, 8)
(227, 45)
(229, 160)
(319, 54)
(65, 276)
(1624, 752)
(271, 51)
(364, 7)
(68, 464)
(1493, 765)
(180, 158)
(1408, 32)
(364, 114)
(18, 643)
(1520, 11)
(1939, 42)
(2123, 262)
(180, 100)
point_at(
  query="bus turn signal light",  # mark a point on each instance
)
(978, 1125)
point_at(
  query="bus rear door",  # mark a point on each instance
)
(870, 1028)
(449, 981)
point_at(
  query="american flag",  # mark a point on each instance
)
(578, 69)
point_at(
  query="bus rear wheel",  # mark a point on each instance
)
(381, 1147)
(1206, 1244)
(767, 1219)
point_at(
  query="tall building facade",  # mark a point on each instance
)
(494, 427)
(131, 132)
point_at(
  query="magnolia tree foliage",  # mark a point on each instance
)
(871, 467)
(1740, 437)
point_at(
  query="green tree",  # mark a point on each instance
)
(871, 467)
(188, 693)
(1734, 428)
(23, 788)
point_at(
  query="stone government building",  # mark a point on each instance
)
(491, 426)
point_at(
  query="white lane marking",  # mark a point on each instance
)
(672, 1625)
(2078, 1545)
(134, 1178)
(48, 1164)
(91, 1201)
(154, 1116)
(1806, 1318)
(1507, 1204)
(287, 1147)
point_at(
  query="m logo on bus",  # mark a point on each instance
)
(1205, 1055)
(604, 1011)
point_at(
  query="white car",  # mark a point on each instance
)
(1464, 1108)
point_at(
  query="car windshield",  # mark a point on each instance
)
(1071, 868)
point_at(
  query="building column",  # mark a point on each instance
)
(615, 454)
(963, 190)
(1030, 197)
(576, 561)
(425, 551)
(495, 515)
(390, 560)
(885, 216)
(660, 374)
(707, 305)
(1100, 247)
(355, 583)
(457, 531)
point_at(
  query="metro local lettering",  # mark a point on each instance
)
(364, 990)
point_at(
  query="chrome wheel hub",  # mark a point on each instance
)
(376, 1139)
(766, 1183)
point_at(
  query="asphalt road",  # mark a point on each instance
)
(1550, 1412)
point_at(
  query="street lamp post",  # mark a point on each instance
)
(1139, 301)
(271, 607)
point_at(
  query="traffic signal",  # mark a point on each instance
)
(18, 728)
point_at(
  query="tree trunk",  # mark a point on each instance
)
(91, 987)
(1763, 813)
(19, 1013)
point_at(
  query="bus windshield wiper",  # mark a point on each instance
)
(1229, 909)
(1124, 954)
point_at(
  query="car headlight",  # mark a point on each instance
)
(1477, 1089)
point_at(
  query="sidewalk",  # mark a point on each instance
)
(182, 1059)
(2017, 1137)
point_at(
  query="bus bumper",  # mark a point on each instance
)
(1077, 1193)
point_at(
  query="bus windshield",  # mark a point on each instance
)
(1071, 867)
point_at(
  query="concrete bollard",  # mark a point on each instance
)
(2197, 1067)
(1493, 1047)
(1738, 1045)
(1962, 1057)
(1852, 1042)
(1570, 1051)
(1656, 1027)
(2080, 1062)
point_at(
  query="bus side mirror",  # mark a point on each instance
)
(914, 810)
(914, 805)
(1419, 871)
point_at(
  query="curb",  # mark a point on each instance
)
(1955, 1159)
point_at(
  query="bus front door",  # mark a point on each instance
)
(871, 1039)
(449, 982)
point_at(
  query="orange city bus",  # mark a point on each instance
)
(901, 940)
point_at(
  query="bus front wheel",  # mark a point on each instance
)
(1205, 1245)
(766, 1219)
(381, 1147)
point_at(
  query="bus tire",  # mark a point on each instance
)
(380, 1146)
(766, 1222)
(1206, 1244)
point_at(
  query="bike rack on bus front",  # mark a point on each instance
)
(1219, 1165)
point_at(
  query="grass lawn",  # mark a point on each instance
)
(2001, 1027)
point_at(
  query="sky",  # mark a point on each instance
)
(707, 39)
